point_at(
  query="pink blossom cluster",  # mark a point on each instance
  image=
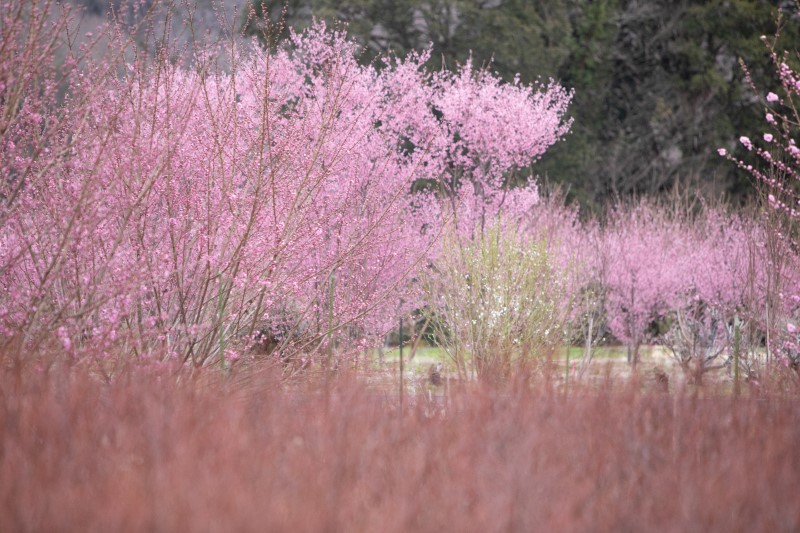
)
(184, 213)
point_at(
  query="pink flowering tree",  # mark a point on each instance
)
(491, 130)
(722, 280)
(643, 268)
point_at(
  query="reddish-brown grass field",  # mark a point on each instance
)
(227, 454)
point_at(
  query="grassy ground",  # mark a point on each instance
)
(651, 357)
(657, 370)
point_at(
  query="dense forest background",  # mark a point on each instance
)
(658, 83)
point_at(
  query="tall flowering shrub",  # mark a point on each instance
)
(49, 91)
(642, 270)
(723, 281)
(776, 174)
(192, 211)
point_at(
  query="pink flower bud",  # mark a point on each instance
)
(768, 137)
(722, 151)
(772, 97)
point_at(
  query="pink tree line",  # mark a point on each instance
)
(660, 265)
(720, 264)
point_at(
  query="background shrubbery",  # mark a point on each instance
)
(295, 201)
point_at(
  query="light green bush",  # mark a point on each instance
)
(496, 301)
